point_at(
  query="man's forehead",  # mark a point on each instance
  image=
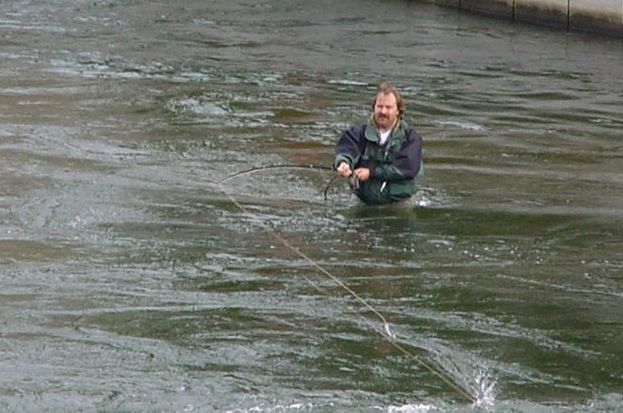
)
(387, 98)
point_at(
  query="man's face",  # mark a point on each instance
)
(385, 111)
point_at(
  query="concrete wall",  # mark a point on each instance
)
(602, 16)
(550, 12)
(494, 7)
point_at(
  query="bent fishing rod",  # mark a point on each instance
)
(291, 166)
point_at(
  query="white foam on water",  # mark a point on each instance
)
(346, 82)
(293, 407)
(485, 388)
(411, 408)
(389, 332)
(195, 106)
(461, 124)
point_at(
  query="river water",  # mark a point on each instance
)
(131, 280)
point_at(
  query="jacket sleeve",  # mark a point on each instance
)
(349, 147)
(406, 164)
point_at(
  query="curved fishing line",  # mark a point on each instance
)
(280, 166)
(326, 188)
(386, 333)
(286, 166)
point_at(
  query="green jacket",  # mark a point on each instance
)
(393, 166)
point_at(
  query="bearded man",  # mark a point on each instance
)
(383, 156)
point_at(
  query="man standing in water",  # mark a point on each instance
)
(383, 156)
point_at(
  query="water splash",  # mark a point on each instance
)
(485, 389)
(389, 332)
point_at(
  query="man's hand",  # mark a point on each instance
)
(343, 169)
(362, 174)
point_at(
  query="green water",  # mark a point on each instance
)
(130, 281)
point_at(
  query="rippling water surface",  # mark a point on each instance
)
(131, 281)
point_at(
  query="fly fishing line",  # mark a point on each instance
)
(386, 332)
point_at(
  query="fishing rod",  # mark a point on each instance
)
(386, 332)
(285, 166)
(279, 166)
